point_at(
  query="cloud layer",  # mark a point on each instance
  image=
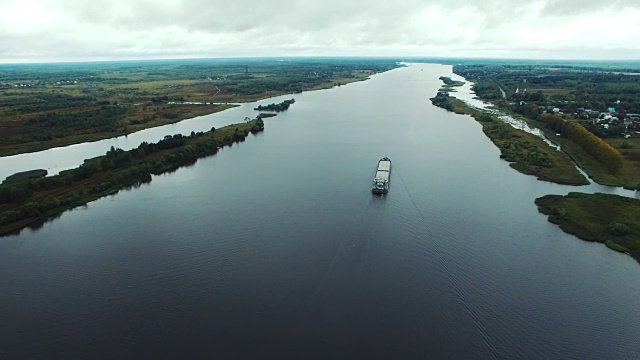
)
(69, 30)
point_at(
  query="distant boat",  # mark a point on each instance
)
(381, 180)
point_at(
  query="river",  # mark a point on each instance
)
(275, 247)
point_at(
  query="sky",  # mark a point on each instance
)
(81, 30)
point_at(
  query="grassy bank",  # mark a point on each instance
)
(28, 201)
(527, 153)
(609, 219)
(628, 176)
(569, 91)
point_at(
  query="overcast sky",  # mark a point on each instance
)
(79, 30)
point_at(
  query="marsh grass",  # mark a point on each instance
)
(610, 219)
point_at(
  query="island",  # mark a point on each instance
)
(610, 219)
(276, 107)
(29, 200)
(449, 84)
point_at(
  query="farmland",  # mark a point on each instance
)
(49, 105)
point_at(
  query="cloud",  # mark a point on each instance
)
(45, 30)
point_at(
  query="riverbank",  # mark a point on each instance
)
(154, 116)
(533, 89)
(112, 100)
(32, 201)
(526, 152)
(609, 219)
(168, 114)
(628, 176)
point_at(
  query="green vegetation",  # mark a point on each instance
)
(49, 105)
(613, 246)
(590, 110)
(449, 84)
(443, 100)
(266, 115)
(276, 107)
(31, 174)
(600, 150)
(610, 219)
(592, 107)
(627, 176)
(568, 85)
(25, 200)
(527, 153)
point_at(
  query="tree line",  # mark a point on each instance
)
(30, 199)
(606, 154)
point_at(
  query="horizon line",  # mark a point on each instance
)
(398, 58)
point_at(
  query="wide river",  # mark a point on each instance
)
(276, 248)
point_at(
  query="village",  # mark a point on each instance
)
(611, 122)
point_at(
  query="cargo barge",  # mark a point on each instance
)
(381, 180)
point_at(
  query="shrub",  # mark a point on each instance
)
(617, 247)
(617, 228)
(559, 212)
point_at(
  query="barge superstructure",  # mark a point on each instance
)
(381, 180)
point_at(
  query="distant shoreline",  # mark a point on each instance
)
(49, 110)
